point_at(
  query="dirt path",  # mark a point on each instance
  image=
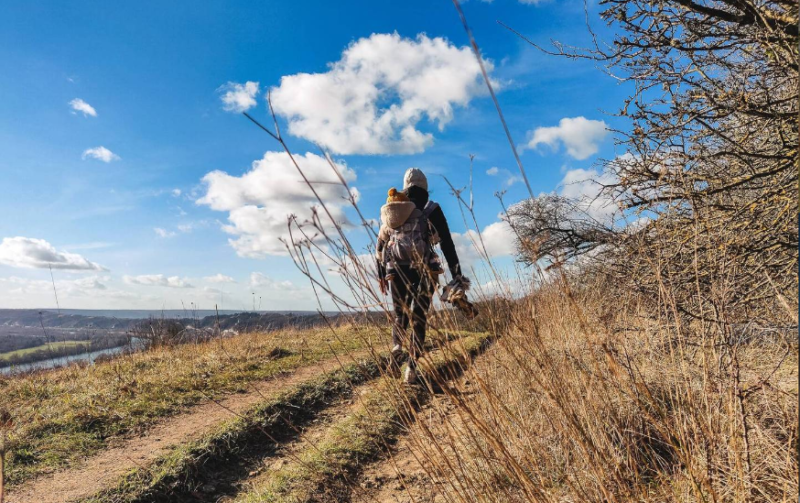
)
(336, 458)
(310, 436)
(105, 468)
(401, 476)
(413, 471)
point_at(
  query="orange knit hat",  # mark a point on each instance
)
(395, 196)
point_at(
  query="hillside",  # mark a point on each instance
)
(81, 430)
(316, 415)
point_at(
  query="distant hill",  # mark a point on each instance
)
(243, 321)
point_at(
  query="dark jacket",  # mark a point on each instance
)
(420, 197)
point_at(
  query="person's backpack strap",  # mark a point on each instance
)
(429, 208)
(431, 235)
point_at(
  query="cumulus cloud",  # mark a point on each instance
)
(78, 105)
(238, 97)
(373, 98)
(498, 238)
(163, 233)
(579, 135)
(176, 192)
(157, 280)
(259, 201)
(101, 154)
(34, 253)
(586, 188)
(92, 283)
(219, 278)
(259, 280)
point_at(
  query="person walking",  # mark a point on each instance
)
(407, 263)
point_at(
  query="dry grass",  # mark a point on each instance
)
(569, 409)
(66, 414)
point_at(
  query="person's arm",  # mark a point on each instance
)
(439, 222)
(379, 251)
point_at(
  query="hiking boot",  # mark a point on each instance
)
(395, 360)
(397, 351)
(410, 376)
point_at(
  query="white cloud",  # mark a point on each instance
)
(190, 226)
(259, 280)
(372, 99)
(579, 135)
(219, 278)
(34, 253)
(176, 192)
(78, 105)
(157, 280)
(585, 188)
(82, 293)
(259, 201)
(212, 291)
(510, 178)
(101, 154)
(92, 283)
(238, 97)
(163, 233)
(498, 239)
(66, 288)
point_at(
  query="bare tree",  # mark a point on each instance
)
(712, 148)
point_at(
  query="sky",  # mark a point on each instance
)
(131, 176)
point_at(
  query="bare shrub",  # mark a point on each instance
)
(711, 162)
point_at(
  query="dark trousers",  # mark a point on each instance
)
(411, 299)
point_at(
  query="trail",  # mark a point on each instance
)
(290, 452)
(413, 472)
(103, 469)
(383, 468)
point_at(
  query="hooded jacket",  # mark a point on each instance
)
(418, 199)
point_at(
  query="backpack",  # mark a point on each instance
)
(412, 243)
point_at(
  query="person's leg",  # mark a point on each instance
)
(422, 296)
(401, 303)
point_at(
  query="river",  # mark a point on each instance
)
(61, 361)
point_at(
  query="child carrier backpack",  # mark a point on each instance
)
(411, 244)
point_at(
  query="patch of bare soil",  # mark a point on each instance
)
(103, 469)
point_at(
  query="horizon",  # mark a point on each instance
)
(136, 183)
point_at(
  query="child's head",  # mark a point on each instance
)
(396, 196)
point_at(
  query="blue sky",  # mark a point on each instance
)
(126, 226)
